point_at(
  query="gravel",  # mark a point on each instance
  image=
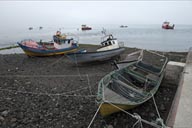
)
(52, 92)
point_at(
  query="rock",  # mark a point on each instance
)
(2, 118)
(20, 115)
(4, 113)
(16, 68)
(115, 122)
(13, 120)
(81, 107)
(13, 125)
(8, 98)
(151, 114)
(16, 81)
(27, 83)
(109, 126)
(162, 107)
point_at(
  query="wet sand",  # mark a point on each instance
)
(52, 92)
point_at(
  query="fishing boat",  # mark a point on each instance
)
(110, 48)
(30, 28)
(85, 27)
(59, 45)
(167, 25)
(123, 26)
(40, 27)
(132, 85)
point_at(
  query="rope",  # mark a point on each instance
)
(88, 82)
(155, 106)
(158, 120)
(24, 76)
(94, 116)
(49, 94)
(138, 121)
(78, 68)
(55, 62)
(136, 116)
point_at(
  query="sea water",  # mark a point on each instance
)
(151, 37)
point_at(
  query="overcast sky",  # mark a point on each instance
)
(16, 13)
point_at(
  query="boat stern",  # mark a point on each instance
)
(109, 108)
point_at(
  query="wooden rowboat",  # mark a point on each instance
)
(131, 85)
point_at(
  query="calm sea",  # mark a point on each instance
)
(151, 37)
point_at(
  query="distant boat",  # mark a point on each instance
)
(85, 27)
(123, 26)
(60, 45)
(30, 28)
(110, 48)
(131, 85)
(166, 25)
(40, 28)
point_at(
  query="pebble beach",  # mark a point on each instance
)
(52, 92)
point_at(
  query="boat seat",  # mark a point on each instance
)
(148, 67)
(127, 86)
(126, 91)
(152, 77)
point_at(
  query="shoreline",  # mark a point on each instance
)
(15, 49)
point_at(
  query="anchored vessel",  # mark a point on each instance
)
(166, 25)
(85, 27)
(131, 85)
(59, 45)
(110, 48)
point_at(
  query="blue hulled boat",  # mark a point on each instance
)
(59, 45)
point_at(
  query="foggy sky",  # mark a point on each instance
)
(17, 13)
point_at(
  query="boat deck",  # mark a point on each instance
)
(181, 113)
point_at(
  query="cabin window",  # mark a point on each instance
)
(68, 41)
(62, 41)
(105, 44)
(113, 42)
(110, 43)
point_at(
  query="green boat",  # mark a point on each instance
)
(131, 85)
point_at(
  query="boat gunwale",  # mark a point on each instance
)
(148, 95)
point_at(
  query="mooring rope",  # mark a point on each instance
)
(48, 76)
(55, 62)
(94, 116)
(139, 122)
(155, 106)
(136, 116)
(50, 94)
(88, 82)
(78, 68)
(158, 120)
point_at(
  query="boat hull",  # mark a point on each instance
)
(108, 109)
(95, 56)
(42, 52)
(131, 85)
(83, 29)
(168, 27)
